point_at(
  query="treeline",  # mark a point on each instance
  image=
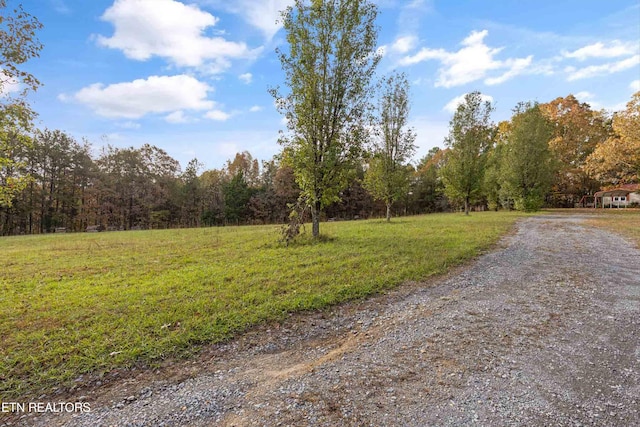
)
(550, 154)
(144, 188)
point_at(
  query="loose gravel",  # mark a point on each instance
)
(542, 331)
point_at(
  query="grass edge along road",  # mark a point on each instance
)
(625, 222)
(74, 304)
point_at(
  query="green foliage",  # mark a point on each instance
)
(470, 135)
(387, 177)
(527, 167)
(236, 196)
(18, 44)
(291, 230)
(328, 68)
(427, 188)
(72, 304)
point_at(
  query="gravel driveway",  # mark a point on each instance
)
(542, 331)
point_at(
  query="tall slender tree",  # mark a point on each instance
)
(470, 135)
(328, 66)
(387, 178)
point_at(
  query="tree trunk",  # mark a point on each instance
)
(466, 206)
(388, 212)
(315, 219)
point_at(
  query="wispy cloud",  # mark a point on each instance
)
(246, 78)
(452, 105)
(613, 49)
(263, 15)
(177, 117)
(472, 62)
(61, 7)
(217, 115)
(603, 69)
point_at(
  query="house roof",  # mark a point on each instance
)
(621, 190)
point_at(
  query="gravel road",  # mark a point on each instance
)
(542, 331)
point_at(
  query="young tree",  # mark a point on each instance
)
(527, 166)
(18, 44)
(617, 160)
(387, 178)
(328, 69)
(470, 135)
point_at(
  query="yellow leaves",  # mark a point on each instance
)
(617, 160)
(578, 129)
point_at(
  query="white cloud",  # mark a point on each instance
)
(472, 62)
(261, 14)
(635, 85)
(247, 78)
(176, 117)
(381, 51)
(603, 69)
(129, 125)
(452, 105)
(584, 96)
(599, 50)
(61, 7)
(171, 30)
(404, 44)
(217, 115)
(255, 109)
(156, 94)
(515, 67)
(8, 84)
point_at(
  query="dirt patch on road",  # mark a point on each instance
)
(542, 331)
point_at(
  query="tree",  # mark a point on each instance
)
(328, 69)
(191, 194)
(470, 135)
(427, 188)
(493, 182)
(617, 160)
(236, 197)
(577, 131)
(18, 44)
(213, 183)
(245, 163)
(387, 178)
(527, 166)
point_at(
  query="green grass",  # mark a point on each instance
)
(79, 303)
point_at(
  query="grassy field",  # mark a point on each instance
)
(622, 221)
(78, 303)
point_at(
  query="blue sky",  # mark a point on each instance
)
(191, 76)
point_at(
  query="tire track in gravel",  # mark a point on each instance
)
(543, 331)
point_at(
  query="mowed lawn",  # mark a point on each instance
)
(90, 302)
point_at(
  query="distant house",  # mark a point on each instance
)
(619, 197)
